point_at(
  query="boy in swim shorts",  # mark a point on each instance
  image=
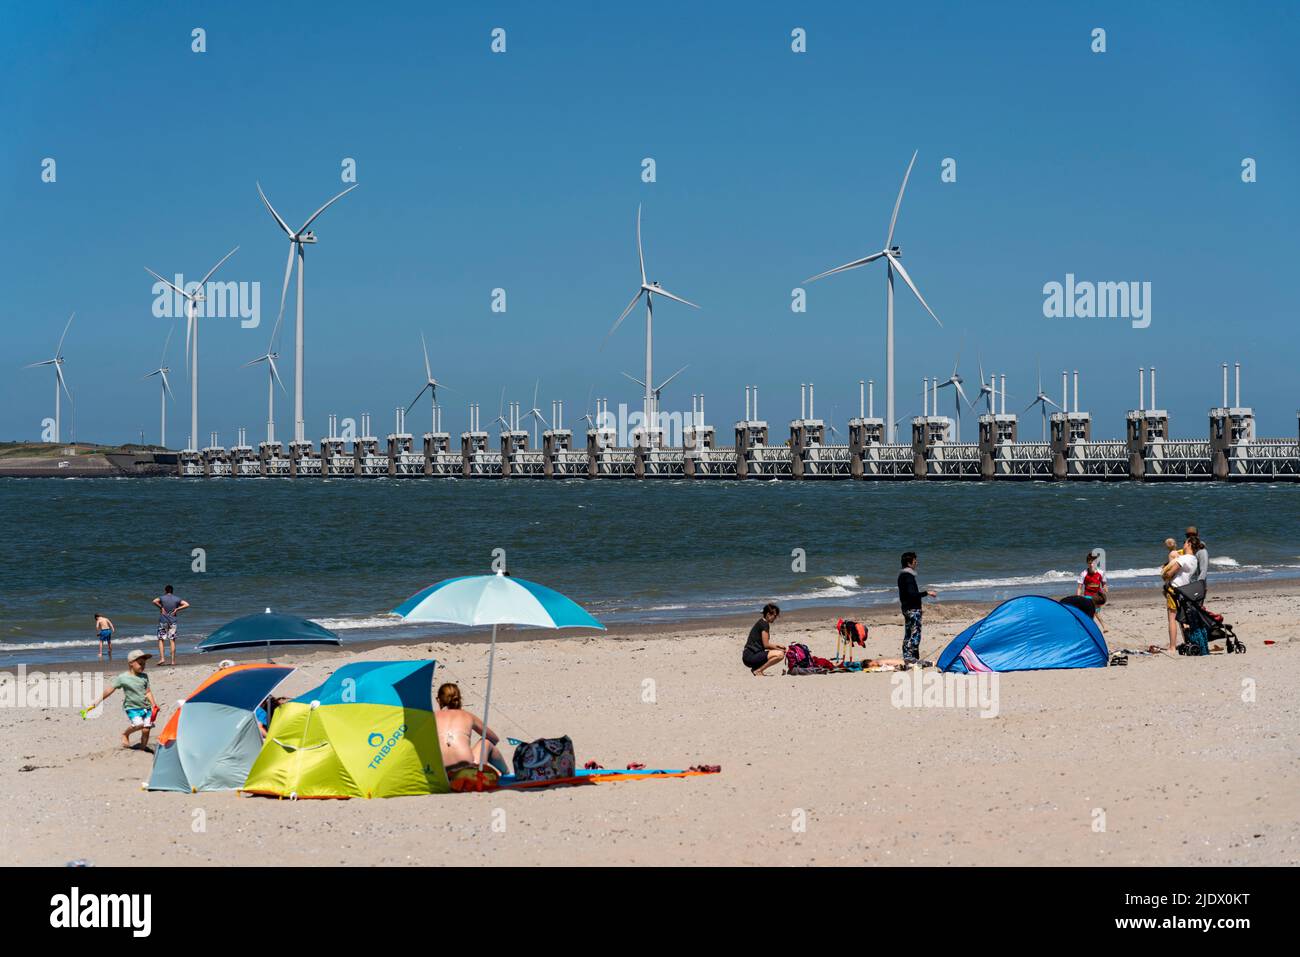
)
(137, 699)
(104, 631)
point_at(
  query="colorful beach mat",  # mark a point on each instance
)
(599, 776)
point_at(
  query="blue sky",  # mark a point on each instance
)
(522, 171)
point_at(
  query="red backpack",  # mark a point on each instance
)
(797, 656)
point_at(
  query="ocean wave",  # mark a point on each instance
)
(1050, 577)
(371, 621)
(73, 643)
(842, 581)
(1226, 562)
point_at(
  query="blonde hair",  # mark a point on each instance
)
(449, 696)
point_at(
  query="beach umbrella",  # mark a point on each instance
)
(494, 600)
(268, 629)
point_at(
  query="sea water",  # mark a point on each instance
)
(345, 552)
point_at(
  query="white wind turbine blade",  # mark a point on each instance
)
(847, 266)
(170, 285)
(899, 202)
(43, 362)
(59, 350)
(659, 388)
(167, 385)
(962, 392)
(417, 397)
(284, 292)
(204, 281)
(253, 362)
(428, 373)
(640, 255)
(312, 219)
(536, 385)
(278, 218)
(1034, 403)
(661, 291)
(634, 379)
(58, 374)
(276, 373)
(619, 321)
(912, 286)
(166, 342)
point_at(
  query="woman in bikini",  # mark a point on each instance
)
(456, 728)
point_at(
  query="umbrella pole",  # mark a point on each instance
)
(487, 699)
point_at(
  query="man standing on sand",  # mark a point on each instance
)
(909, 599)
(169, 606)
(137, 699)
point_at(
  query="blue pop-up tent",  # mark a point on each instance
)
(1027, 634)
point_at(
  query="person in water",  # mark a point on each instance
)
(104, 631)
(456, 730)
(760, 652)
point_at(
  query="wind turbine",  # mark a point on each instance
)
(59, 382)
(892, 255)
(501, 420)
(1042, 400)
(658, 390)
(536, 413)
(192, 299)
(649, 290)
(298, 241)
(432, 385)
(987, 390)
(164, 387)
(959, 394)
(272, 379)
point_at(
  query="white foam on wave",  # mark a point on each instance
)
(1226, 562)
(842, 581)
(73, 643)
(351, 624)
(1050, 577)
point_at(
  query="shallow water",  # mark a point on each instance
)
(346, 552)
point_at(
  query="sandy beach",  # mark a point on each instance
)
(1171, 761)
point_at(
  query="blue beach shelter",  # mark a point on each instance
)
(1030, 633)
(212, 741)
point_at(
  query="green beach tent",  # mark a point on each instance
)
(368, 731)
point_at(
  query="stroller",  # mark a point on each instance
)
(1202, 627)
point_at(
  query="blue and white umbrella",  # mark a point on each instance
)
(494, 600)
